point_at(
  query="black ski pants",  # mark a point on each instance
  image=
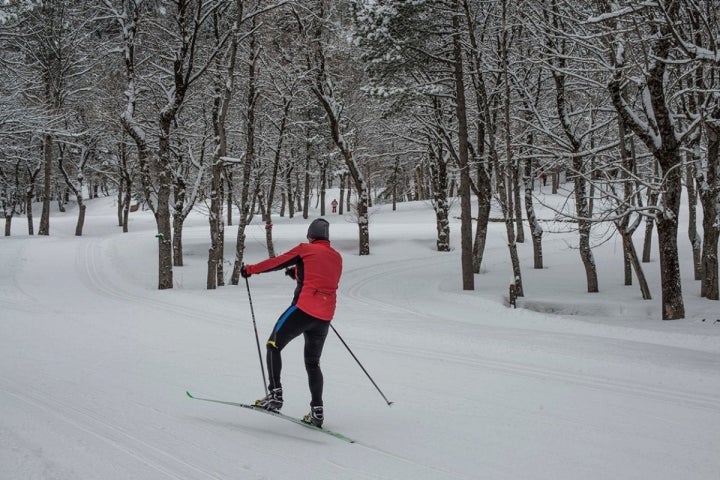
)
(291, 324)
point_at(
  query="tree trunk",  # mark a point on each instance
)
(120, 200)
(584, 229)
(29, 214)
(246, 212)
(273, 180)
(518, 180)
(126, 206)
(306, 189)
(419, 183)
(647, 242)
(76, 189)
(483, 187)
(323, 186)
(164, 235)
(81, 218)
(439, 181)
(709, 287)
(215, 276)
(672, 305)
(341, 203)
(710, 199)
(394, 183)
(49, 158)
(177, 240)
(29, 194)
(695, 242)
(484, 199)
(229, 195)
(466, 239)
(290, 193)
(629, 248)
(536, 230)
(504, 173)
(178, 219)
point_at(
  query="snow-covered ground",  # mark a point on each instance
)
(95, 361)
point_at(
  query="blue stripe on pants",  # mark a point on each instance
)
(281, 320)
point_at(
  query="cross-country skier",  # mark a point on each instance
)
(316, 267)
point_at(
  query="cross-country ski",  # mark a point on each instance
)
(298, 421)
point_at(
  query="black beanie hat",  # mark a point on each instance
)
(319, 229)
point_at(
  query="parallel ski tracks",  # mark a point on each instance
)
(690, 399)
(93, 273)
(92, 423)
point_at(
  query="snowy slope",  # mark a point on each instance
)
(94, 362)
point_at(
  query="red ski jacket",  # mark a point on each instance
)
(317, 270)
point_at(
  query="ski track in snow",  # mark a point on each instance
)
(369, 276)
(95, 266)
(93, 424)
(675, 397)
(144, 431)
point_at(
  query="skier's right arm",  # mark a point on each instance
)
(285, 260)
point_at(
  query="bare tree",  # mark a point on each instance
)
(246, 199)
(285, 91)
(80, 154)
(324, 89)
(182, 35)
(655, 121)
(576, 130)
(223, 92)
(45, 62)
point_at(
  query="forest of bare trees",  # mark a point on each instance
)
(241, 110)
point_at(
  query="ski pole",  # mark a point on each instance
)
(361, 366)
(257, 338)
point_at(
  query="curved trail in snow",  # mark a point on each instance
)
(398, 272)
(98, 375)
(96, 265)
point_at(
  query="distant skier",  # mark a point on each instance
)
(316, 267)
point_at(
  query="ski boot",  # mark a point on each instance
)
(315, 417)
(273, 401)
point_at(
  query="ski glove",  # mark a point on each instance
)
(243, 272)
(291, 272)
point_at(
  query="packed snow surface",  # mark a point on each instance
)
(95, 361)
